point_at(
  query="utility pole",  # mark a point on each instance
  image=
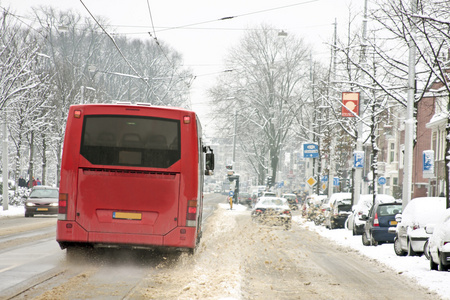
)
(331, 167)
(5, 170)
(360, 138)
(409, 120)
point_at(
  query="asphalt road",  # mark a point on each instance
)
(237, 259)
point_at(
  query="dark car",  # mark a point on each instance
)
(338, 214)
(380, 218)
(272, 211)
(245, 199)
(43, 200)
(292, 200)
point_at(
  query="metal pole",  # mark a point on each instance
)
(234, 137)
(5, 170)
(359, 141)
(409, 120)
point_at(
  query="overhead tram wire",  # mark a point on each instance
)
(117, 47)
(155, 37)
(241, 15)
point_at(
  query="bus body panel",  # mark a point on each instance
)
(126, 202)
(130, 205)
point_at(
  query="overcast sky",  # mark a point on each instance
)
(205, 44)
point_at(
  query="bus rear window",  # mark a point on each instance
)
(130, 141)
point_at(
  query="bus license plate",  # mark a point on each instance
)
(127, 215)
(42, 209)
(393, 222)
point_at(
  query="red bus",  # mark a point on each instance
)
(132, 176)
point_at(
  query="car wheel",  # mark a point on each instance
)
(365, 240)
(441, 266)
(433, 265)
(332, 225)
(398, 248)
(411, 252)
(354, 231)
(425, 250)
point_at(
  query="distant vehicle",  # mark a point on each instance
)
(438, 245)
(43, 200)
(132, 176)
(340, 206)
(354, 222)
(338, 214)
(410, 234)
(245, 199)
(292, 200)
(272, 211)
(380, 218)
(312, 202)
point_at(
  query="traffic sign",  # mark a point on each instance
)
(336, 181)
(381, 180)
(310, 150)
(311, 181)
(358, 159)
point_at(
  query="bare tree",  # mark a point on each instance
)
(431, 24)
(267, 89)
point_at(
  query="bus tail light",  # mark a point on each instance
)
(62, 207)
(77, 114)
(191, 218)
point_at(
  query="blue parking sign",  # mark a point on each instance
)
(358, 159)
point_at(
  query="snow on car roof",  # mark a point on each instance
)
(424, 210)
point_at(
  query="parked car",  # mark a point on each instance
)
(245, 199)
(410, 234)
(340, 206)
(311, 202)
(43, 200)
(437, 248)
(272, 211)
(354, 222)
(380, 218)
(292, 200)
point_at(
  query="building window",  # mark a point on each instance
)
(395, 181)
(392, 153)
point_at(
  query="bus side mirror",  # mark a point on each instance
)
(209, 162)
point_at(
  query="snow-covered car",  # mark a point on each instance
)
(354, 222)
(438, 246)
(43, 200)
(272, 210)
(338, 210)
(292, 200)
(410, 234)
(380, 218)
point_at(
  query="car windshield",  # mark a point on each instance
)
(44, 193)
(389, 210)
